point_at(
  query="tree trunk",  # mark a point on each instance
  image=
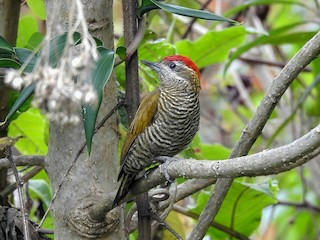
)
(94, 175)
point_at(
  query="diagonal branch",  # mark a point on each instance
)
(245, 164)
(263, 163)
(280, 84)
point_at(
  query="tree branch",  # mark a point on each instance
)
(266, 62)
(280, 84)
(9, 189)
(263, 163)
(134, 44)
(304, 205)
(35, 160)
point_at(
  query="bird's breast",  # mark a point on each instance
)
(176, 123)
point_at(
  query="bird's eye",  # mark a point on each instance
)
(172, 65)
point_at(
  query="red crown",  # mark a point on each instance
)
(187, 61)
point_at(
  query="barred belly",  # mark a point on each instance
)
(174, 126)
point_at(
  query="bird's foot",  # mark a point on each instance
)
(164, 166)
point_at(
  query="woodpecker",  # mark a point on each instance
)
(165, 122)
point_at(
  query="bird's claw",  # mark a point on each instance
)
(164, 167)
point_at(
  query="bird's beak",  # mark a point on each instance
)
(152, 65)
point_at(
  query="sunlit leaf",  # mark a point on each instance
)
(35, 41)
(26, 28)
(38, 8)
(156, 50)
(213, 47)
(33, 127)
(176, 224)
(23, 97)
(242, 208)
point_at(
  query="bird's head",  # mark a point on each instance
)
(177, 71)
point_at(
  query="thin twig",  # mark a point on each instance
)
(301, 100)
(9, 189)
(305, 205)
(35, 160)
(19, 184)
(133, 46)
(204, 6)
(112, 111)
(266, 62)
(171, 200)
(45, 231)
(165, 225)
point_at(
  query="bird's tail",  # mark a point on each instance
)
(124, 188)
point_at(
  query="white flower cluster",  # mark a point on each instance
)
(57, 94)
(61, 91)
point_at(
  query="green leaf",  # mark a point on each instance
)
(303, 223)
(34, 128)
(26, 28)
(242, 208)
(156, 50)
(211, 152)
(35, 41)
(9, 63)
(38, 8)
(122, 52)
(100, 75)
(145, 7)
(4, 45)
(40, 189)
(213, 47)
(6, 54)
(183, 11)
(177, 224)
(27, 57)
(98, 42)
(57, 45)
(23, 97)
